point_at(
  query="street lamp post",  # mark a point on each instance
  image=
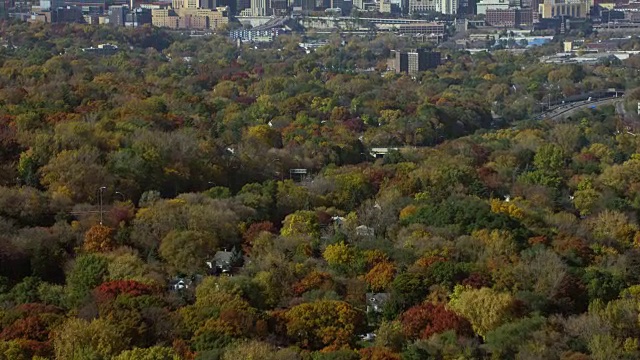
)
(124, 197)
(102, 188)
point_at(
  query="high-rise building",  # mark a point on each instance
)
(241, 5)
(422, 6)
(46, 5)
(413, 62)
(279, 6)
(193, 22)
(189, 17)
(561, 8)
(384, 6)
(309, 4)
(191, 4)
(137, 17)
(401, 63)
(449, 7)
(165, 18)
(509, 17)
(260, 7)
(467, 7)
(117, 15)
(345, 5)
(4, 8)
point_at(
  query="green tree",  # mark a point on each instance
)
(549, 158)
(612, 228)
(152, 353)
(504, 341)
(186, 251)
(26, 291)
(77, 174)
(78, 339)
(88, 271)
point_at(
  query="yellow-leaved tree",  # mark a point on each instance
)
(485, 308)
(98, 239)
(323, 323)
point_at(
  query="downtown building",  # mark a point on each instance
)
(509, 17)
(449, 7)
(191, 14)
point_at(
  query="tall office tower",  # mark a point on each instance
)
(260, 7)
(117, 15)
(241, 5)
(449, 7)
(401, 62)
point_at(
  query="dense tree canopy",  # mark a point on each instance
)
(187, 198)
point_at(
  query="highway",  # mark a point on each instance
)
(565, 110)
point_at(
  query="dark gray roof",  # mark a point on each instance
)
(223, 257)
(377, 298)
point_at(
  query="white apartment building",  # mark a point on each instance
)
(442, 6)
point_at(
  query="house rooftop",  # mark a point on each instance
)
(377, 298)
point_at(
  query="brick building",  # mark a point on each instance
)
(509, 17)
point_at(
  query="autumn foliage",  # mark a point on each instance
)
(98, 239)
(247, 210)
(315, 280)
(378, 353)
(380, 276)
(31, 328)
(112, 289)
(424, 320)
(323, 323)
(254, 230)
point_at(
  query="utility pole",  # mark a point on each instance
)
(102, 188)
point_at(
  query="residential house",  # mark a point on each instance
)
(376, 301)
(224, 261)
(364, 230)
(180, 283)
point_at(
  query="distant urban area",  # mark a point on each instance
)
(468, 24)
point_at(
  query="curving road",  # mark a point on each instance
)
(565, 110)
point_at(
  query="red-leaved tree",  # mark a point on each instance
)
(111, 289)
(424, 320)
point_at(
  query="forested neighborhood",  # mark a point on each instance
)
(192, 198)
